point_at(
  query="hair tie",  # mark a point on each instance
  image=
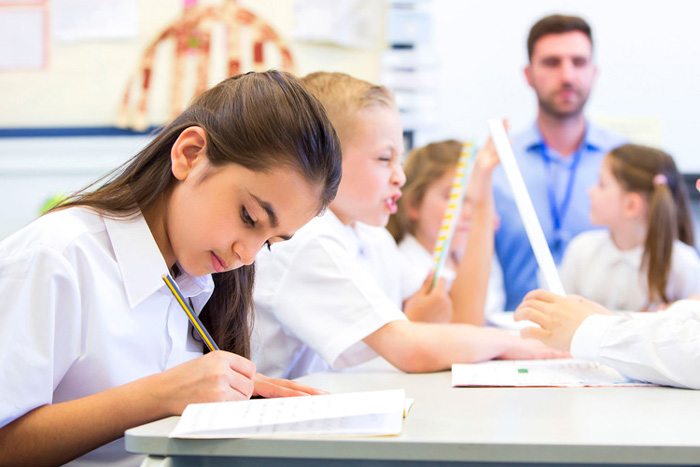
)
(660, 179)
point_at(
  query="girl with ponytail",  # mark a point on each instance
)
(645, 258)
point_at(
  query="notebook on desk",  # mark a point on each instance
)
(372, 413)
(561, 372)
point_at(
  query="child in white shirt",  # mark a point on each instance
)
(333, 296)
(430, 172)
(661, 348)
(92, 342)
(646, 259)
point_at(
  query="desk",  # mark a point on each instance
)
(471, 426)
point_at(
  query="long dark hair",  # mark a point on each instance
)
(653, 173)
(260, 121)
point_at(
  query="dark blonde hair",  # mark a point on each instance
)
(423, 166)
(260, 121)
(343, 96)
(653, 174)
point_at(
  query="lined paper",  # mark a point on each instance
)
(359, 414)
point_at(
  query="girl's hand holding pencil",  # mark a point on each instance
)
(215, 377)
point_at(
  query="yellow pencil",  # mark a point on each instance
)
(465, 166)
(190, 314)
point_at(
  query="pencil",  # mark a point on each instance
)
(190, 314)
(465, 166)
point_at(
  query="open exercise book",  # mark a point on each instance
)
(372, 413)
(564, 372)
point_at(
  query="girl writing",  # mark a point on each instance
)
(92, 342)
(645, 259)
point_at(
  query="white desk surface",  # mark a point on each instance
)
(647, 426)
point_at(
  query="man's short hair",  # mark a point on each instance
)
(556, 24)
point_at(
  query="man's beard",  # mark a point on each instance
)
(549, 106)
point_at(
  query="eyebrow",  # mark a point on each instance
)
(274, 221)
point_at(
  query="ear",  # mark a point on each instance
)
(634, 205)
(527, 71)
(188, 151)
(595, 74)
(412, 210)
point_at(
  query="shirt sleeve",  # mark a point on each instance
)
(661, 347)
(40, 328)
(328, 301)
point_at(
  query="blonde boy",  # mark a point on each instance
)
(334, 296)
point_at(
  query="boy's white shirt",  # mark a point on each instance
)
(658, 347)
(85, 310)
(596, 269)
(422, 259)
(318, 295)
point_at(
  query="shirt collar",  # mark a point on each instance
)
(593, 140)
(350, 235)
(141, 263)
(631, 257)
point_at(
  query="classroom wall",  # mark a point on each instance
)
(83, 83)
(82, 86)
(646, 53)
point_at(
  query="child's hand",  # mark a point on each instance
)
(215, 377)
(479, 187)
(531, 349)
(272, 387)
(558, 317)
(427, 305)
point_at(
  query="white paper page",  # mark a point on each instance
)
(566, 372)
(525, 208)
(370, 413)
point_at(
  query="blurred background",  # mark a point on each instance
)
(83, 83)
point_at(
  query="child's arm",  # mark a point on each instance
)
(432, 306)
(424, 347)
(662, 348)
(55, 434)
(468, 292)
(558, 317)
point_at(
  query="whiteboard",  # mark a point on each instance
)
(647, 52)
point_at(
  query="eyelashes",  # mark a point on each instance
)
(246, 217)
(251, 223)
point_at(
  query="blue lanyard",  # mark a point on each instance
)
(558, 213)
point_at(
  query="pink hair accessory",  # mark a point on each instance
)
(660, 179)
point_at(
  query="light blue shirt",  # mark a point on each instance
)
(543, 174)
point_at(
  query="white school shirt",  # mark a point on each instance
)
(85, 309)
(320, 293)
(657, 347)
(420, 258)
(596, 269)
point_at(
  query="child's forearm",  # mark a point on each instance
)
(468, 292)
(55, 434)
(424, 347)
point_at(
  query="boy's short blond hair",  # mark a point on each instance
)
(343, 96)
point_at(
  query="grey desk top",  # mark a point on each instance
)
(648, 425)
